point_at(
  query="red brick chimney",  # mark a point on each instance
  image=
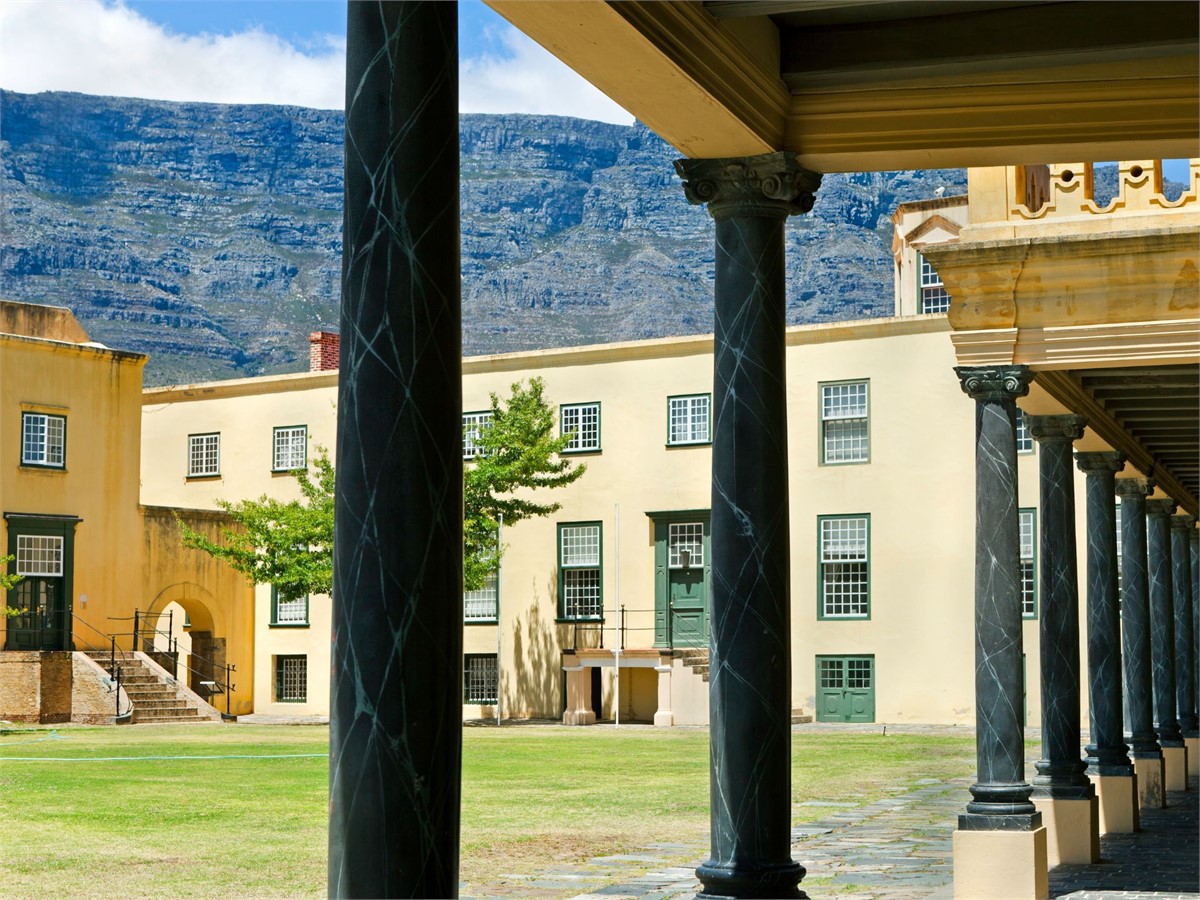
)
(323, 347)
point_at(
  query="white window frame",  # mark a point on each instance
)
(584, 420)
(43, 440)
(482, 605)
(687, 536)
(932, 291)
(481, 678)
(289, 448)
(580, 576)
(205, 450)
(1024, 437)
(841, 442)
(843, 576)
(473, 425)
(288, 613)
(40, 555)
(689, 419)
(1028, 543)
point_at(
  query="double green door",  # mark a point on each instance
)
(845, 689)
(681, 576)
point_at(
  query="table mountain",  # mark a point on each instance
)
(209, 236)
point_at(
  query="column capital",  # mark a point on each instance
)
(1183, 523)
(1099, 462)
(1157, 508)
(1056, 428)
(1134, 487)
(773, 185)
(994, 382)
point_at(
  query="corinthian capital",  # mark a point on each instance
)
(773, 184)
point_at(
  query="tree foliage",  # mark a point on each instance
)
(290, 544)
(8, 582)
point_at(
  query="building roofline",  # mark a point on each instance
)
(89, 349)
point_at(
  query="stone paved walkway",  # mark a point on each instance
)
(897, 849)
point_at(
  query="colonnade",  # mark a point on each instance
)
(1141, 636)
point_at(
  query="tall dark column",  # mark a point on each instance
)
(1107, 754)
(1185, 646)
(1061, 773)
(395, 737)
(1135, 615)
(1162, 621)
(750, 681)
(1001, 794)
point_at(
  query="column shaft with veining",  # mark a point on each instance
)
(1000, 793)
(1162, 621)
(396, 705)
(750, 634)
(1185, 646)
(1107, 752)
(1135, 615)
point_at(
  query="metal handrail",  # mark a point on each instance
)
(114, 669)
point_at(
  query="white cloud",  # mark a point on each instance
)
(531, 81)
(86, 46)
(107, 49)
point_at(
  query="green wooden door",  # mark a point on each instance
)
(681, 576)
(845, 689)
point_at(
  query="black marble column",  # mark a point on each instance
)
(750, 675)
(1185, 647)
(1107, 753)
(1162, 621)
(1194, 554)
(1061, 772)
(1135, 615)
(1001, 794)
(395, 737)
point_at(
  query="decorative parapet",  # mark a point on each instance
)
(1066, 190)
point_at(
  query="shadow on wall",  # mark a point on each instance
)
(531, 684)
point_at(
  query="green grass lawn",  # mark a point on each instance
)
(533, 797)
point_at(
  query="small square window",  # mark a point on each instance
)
(293, 613)
(844, 423)
(582, 422)
(291, 679)
(290, 448)
(934, 296)
(480, 678)
(43, 440)
(474, 424)
(688, 419)
(204, 455)
(685, 545)
(39, 555)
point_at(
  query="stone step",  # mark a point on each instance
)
(166, 720)
(158, 715)
(799, 717)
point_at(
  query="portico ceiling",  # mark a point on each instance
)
(858, 85)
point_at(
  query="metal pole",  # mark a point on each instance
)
(135, 630)
(228, 689)
(170, 627)
(499, 582)
(112, 653)
(620, 617)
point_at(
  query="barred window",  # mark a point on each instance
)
(1024, 438)
(688, 419)
(934, 297)
(685, 537)
(844, 567)
(480, 678)
(43, 440)
(291, 679)
(582, 422)
(481, 605)
(844, 435)
(291, 448)
(39, 555)
(1028, 519)
(288, 612)
(580, 589)
(204, 455)
(474, 424)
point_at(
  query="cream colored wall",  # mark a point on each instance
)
(312, 641)
(98, 390)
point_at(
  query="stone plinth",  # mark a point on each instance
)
(1117, 800)
(1001, 865)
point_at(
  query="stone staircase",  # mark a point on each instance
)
(697, 661)
(155, 700)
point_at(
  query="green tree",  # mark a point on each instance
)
(290, 544)
(7, 583)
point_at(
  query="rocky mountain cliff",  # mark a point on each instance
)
(210, 236)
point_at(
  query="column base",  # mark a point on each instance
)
(1072, 829)
(1192, 744)
(1148, 770)
(1118, 803)
(664, 718)
(1175, 766)
(579, 717)
(731, 883)
(1001, 865)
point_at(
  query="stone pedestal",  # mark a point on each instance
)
(1001, 865)
(1151, 781)
(1192, 745)
(1175, 765)
(579, 697)
(663, 716)
(1072, 829)
(1117, 799)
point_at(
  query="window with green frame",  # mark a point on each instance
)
(688, 419)
(582, 422)
(844, 567)
(845, 424)
(580, 587)
(288, 613)
(1028, 519)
